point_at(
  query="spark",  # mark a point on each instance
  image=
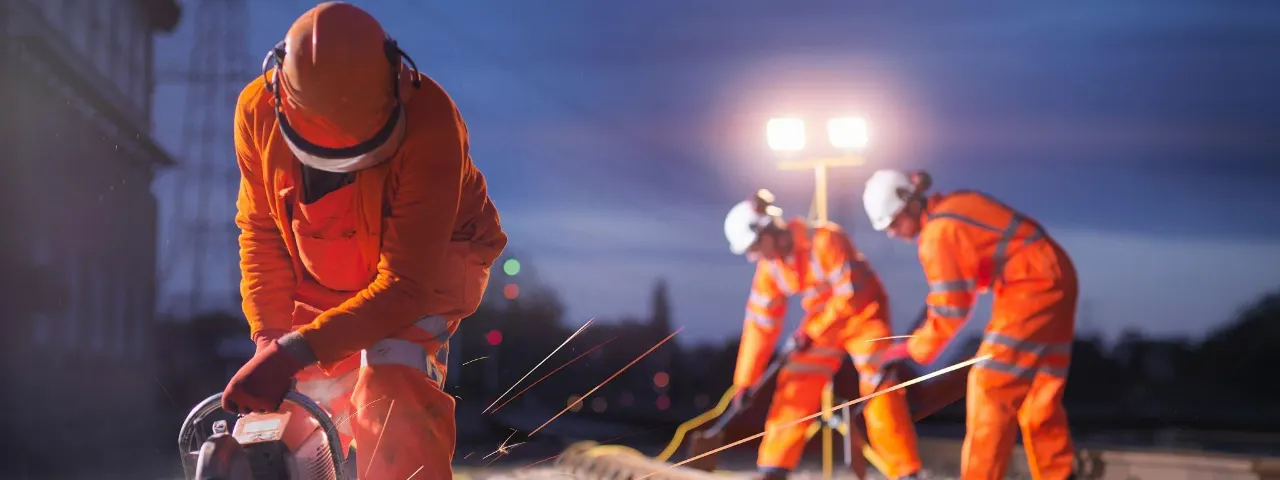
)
(415, 472)
(544, 377)
(503, 449)
(473, 360)
(379, 442)
(611, 377)
(351, 415)
(535, 367)
(468, 455)
(553, 457)
(826, 411)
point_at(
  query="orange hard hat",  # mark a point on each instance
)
(338, 88)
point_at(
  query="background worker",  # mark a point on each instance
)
(846, 308)
(970, 243)
(367, 233)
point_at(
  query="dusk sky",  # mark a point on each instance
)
(1144, 135)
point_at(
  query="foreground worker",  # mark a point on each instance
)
(971, 243)
(846, 312)
(366, 235)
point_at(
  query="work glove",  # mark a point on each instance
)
(261, 384)
(896, 354)
(799, 341)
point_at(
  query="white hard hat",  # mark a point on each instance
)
(882, 198)
(745, 221)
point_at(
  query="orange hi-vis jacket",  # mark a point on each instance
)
(413, 213)
(970, 243)
(835, 284)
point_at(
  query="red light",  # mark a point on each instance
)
(511, 291)
(663, 402)
(660, 379)
(494, 337)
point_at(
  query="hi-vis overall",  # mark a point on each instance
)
(845, 306)
(375, 275)
(969, 243)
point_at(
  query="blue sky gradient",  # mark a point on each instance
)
(616, 135)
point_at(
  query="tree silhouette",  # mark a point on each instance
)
(1240, 355)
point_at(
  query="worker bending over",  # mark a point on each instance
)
(847, 310)
(366, 235)
(970, 243)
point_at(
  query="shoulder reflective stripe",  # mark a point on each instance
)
(948, 311)
(965, 219)
(761, 320)
(1027, 346)
(1021, 372)
(952, 286)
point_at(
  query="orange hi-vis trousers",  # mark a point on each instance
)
(799, 394)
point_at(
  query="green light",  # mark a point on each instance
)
(511, 266)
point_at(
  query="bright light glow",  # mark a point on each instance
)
(599, 404)
(663, 402)
(511, 291)
(847, 133)
(785, 134)
(574, 403)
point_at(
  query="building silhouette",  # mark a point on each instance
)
(79, 252)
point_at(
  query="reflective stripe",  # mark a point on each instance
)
(1000, 256)
(965, 285)
(795, 367)
(949, 311)
(761, 320)
(1027, 346)
(1021, 372)
(395, 351)
(778, 279)
(764, 301)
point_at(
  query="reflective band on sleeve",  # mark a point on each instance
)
(965, 285)
(949, 311)
(1027, 346)
(760, 320)
(764, 301)
(861, 359)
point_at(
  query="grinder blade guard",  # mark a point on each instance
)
(257, 448)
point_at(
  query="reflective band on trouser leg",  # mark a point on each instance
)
(405, 424)
(1021, 383)
(890, 430)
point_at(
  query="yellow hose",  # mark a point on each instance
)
(696, 422)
